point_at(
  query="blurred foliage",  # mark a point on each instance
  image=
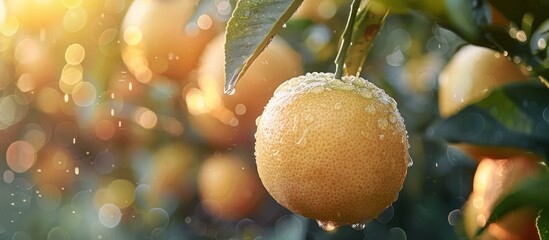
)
(511, 116)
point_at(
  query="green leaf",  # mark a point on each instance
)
(515, 115)
(250, 29)
(542, 223)
(531, 193)
(367, 26)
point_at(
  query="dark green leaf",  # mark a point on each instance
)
(367, 25)
(516, 115)
(251, 27)
(532, 193)
(542, 222)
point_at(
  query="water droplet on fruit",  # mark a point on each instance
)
(382, 123)
(276, 152)
(337, 106)
(316, 90)
(358, 226)
(326, 225)
(381, 137)
(366, 94)
(257, 120)
(410, 161)
(309, 118)
(302, 141)
(294, 127)
(370, 109)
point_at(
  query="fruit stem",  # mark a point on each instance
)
(346, 39)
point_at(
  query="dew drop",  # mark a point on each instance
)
(382, 123)
(309, 118)
(366, 94)
(257, 120)
(230, 91)
(370, 109)
(303, 139)
(410, 161)
(316, 90)
(358, 226)
(326, 225)
(294, 127)
(337, 106)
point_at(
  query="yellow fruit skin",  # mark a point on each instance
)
(321, 154)
(493, 178)
(166, 48)
(471, 75)
(217, 117)
(229, 187)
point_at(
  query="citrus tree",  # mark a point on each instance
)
(273, 119)
(487, 116)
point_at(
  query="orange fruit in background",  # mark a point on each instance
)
(229, 187)
(172, 175)
(332, 150)
(472, 73)
(225, 120)
(317, 11)
(34, 15)
(494, 178)
(160, 38)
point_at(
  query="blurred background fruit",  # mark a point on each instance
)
(471, 75)
(494, 178)
(229, 186)
(162, 38)
(229, 120)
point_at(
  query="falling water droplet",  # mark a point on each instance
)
(410, 161)
(130, 86)
(358, 226)
(326, 225)
(112, 112)
(230, 91)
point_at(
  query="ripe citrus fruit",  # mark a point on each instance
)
(160, 38)
(333, 150)
(493, 178)
(172, 176)
(472, 73)
(226, 120)
(229, 187)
